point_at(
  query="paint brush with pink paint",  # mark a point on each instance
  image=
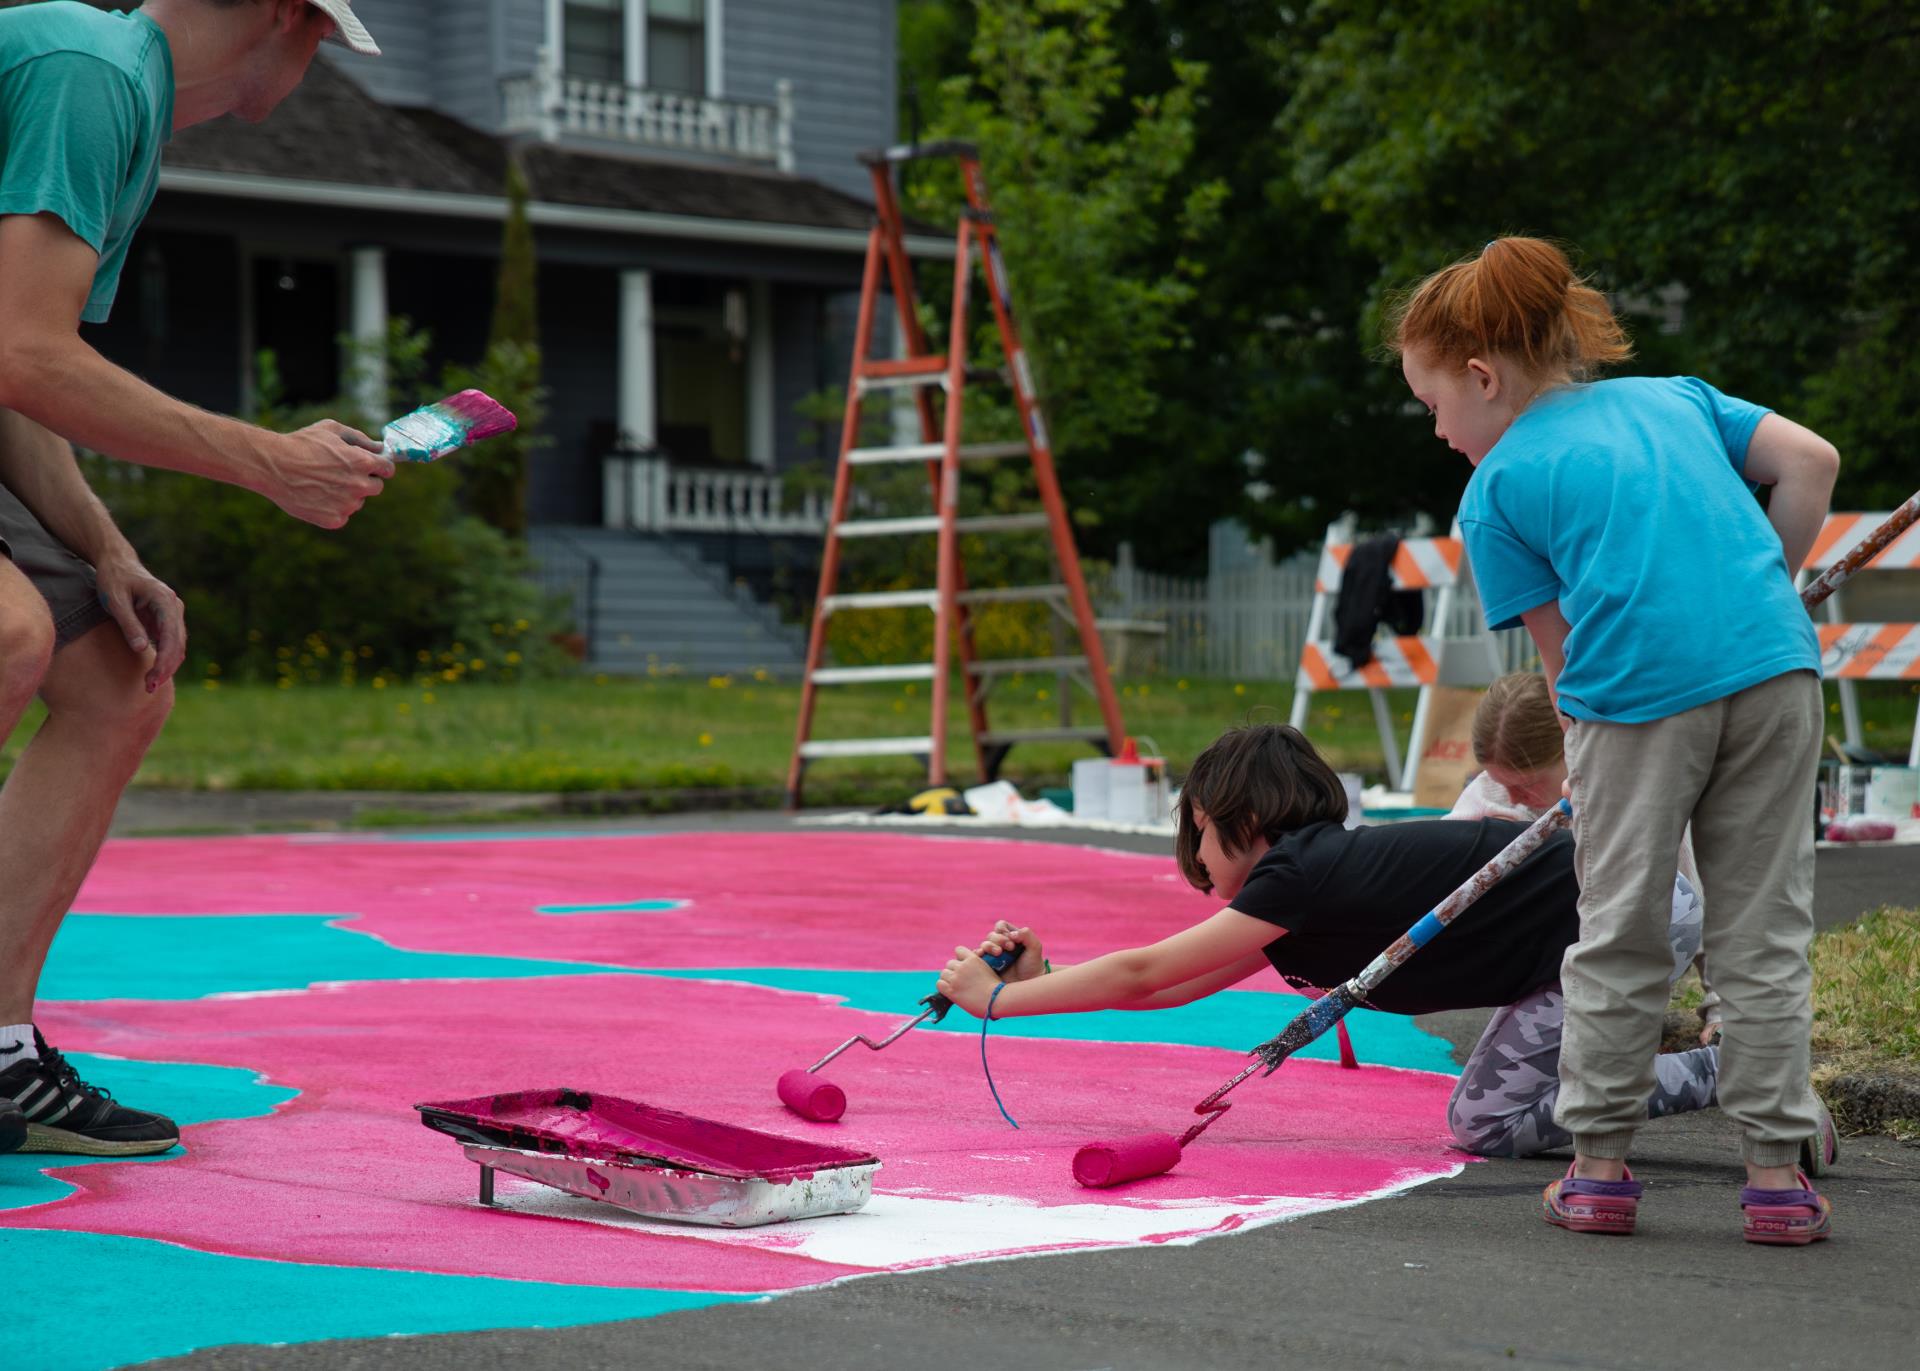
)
(820, 1100)
(1139, 1155)
(458, 421)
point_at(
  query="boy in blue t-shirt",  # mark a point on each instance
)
(1615, 519)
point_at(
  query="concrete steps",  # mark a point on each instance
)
(658, 605)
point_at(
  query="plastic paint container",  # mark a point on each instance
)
(1893, 792)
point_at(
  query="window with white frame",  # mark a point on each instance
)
(662, 44)
(595, 45)
(677, 45)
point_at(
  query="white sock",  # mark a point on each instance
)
(16, 1044)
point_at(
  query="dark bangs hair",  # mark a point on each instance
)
(1255, 781)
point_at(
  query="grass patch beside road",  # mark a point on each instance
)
(1866, 985)
(666, 733)
(1866, 1039)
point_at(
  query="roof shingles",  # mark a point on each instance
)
(330, 130)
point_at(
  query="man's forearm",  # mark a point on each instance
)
(39, 468)
(63, 384)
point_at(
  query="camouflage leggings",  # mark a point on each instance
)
(1503, 1105)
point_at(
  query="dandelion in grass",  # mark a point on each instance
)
(426, 697)
(706, 740)
(1043, 695)
(1180, 684)
(1239, 689)
(600, 679)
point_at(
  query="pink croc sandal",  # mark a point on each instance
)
(1583, 1206)
(1786, 1218)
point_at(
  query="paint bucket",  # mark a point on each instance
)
(1136, 787)
(1893, 792)
(1090, 788)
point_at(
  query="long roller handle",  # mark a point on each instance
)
(1335, 1005)
(1865, 551)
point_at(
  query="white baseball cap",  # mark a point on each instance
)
(347, 29)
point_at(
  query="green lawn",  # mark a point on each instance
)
(669, 732)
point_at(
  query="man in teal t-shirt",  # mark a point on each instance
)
(88, 100)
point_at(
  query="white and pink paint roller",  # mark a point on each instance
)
(458, 421)
(821, 1100)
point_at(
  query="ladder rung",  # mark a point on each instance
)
(1010, 736)
(868, 747)
(930, 523)
(933, 364)
(885, 528)
(882, 599)
(901, 382)
(932, 452)
(1021, 666)
(1009, 595)
(854, 675)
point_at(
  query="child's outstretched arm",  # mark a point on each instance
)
(1229, 942)
(1032, 962)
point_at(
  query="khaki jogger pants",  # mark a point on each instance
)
(1741, 769)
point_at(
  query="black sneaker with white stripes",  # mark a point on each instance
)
(65, 1114)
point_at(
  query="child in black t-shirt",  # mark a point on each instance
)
(1261, 824)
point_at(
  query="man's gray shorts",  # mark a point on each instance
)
(66, 581)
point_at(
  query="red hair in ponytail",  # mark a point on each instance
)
(1519, 298)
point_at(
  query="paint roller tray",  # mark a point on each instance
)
(653, 1162)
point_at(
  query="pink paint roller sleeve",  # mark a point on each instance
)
(812, 1098)
(1101, 1164)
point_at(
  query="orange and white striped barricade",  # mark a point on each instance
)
(1422, 660)
(1860, 651)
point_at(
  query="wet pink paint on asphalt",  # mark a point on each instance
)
(877, 902)
(346, 1174)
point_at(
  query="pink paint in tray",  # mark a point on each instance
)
(658, 1163)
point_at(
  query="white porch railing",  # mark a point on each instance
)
(652, 495)
(547, 103)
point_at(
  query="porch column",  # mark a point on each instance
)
(637, 412)
(760, 388)
(368, 326)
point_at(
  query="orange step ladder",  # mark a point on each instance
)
(950, 599)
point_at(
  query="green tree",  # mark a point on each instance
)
(1095, 213)
(1749, 160)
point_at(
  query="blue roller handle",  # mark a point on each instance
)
(938, 1004)
(1333, 1006)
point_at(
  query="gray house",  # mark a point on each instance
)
(700, 219)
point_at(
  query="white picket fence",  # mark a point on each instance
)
(1247, 618)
